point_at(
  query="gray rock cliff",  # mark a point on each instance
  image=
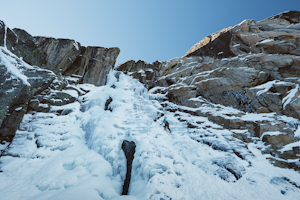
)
(253, 67)
(62, 56)
(38, 72)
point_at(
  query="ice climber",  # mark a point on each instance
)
(166, 124)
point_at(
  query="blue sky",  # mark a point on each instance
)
(143, 29)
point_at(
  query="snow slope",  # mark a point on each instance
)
(79, 156)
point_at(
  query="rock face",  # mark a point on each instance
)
(28, 83)
(62, 56)
(260, 79)
(277, 34)
(252, 67)
(14, 97)
(19, 82)
(146, 73)
(68, 57)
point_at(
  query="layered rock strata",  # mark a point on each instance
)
(277, 34)
(62, 56)
(253, 67)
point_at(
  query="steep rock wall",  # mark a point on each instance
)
(26, 87)
(253, 67)
(62, 56)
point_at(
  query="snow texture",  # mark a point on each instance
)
(9, 60)
(286, 100)
(79, 156)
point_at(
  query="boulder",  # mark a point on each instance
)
(279, 140)
(56, 98)
(59, 83)
(101, 61)
(284, 164)
(180, 95)
(291, 154)
(33, 104)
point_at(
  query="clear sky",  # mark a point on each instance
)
(143, 29)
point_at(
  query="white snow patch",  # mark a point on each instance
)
(289, 147)
(76, 45)
(72, 93)
(3, 146)
(18, 109)
(259, 117)
(272, 133)
(265, 87)
(265, 41)
(287, 99)
(11, 65)
(43, 105)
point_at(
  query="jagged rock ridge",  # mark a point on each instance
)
(63, 56)
(253, 67)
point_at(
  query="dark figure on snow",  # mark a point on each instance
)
(166, 124)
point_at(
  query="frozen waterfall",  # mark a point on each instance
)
(79, 155)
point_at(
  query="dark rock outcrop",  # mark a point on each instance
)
(129, 150)
(215, 45)
(19, 82)
(26, 47)
(107, 103)
(59, 53)
(146, 73)
(56, 98)
(15, 95)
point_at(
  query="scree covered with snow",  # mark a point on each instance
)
(78, 155)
